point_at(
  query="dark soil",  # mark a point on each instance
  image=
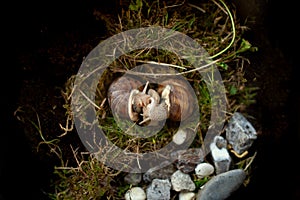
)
(49, 28)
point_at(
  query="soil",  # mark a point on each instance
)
(50, 28)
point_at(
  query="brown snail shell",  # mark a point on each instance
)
(119, 94)
(179, 97)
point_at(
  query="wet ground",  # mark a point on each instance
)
(273, 68)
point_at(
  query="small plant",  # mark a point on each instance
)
(90, 179)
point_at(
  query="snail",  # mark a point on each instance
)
(172, 100)
(127, 101)
(178, 97)
(119, 94)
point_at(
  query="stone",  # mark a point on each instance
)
(186, 160)
(186, 196)
(159, 172)
(203, 170)
(159, 189)
(240, 133)
(180, 137)
(182, 182)
(222, 186)
(220, 154)
(133, 178)
(135, 193)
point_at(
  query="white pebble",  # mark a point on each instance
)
(187, 196)
(179, 137)
(204, 169)
(135, 193)
(219, 154)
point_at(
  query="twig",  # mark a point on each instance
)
(251, 160)
(89, 100)
(197, 7)
(176, 74)
(172, 6)
(79, 164)
(67, 128)
(162, 64)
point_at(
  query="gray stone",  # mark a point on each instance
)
(186, 160)
(240, 133)
(159, 189)
(182, 182)
(133, 178)
(159, 172)
(222, 186)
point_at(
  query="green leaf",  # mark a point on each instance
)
(245, 46)
(223, 65)
(136, 6)
(201, 182)
(233, 90)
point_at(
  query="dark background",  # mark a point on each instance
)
(28, 26)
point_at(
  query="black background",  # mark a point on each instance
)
(24, 25)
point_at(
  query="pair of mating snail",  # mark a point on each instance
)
(172, 99)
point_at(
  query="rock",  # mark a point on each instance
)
(182, 182)
(135, 193)
(220, 154)
(187, 196)
(159, 173)
(180, 137)
(133, 178)
(159, 189)
(222, 186)
(204, 169)
(186, 160)
(240, 133)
